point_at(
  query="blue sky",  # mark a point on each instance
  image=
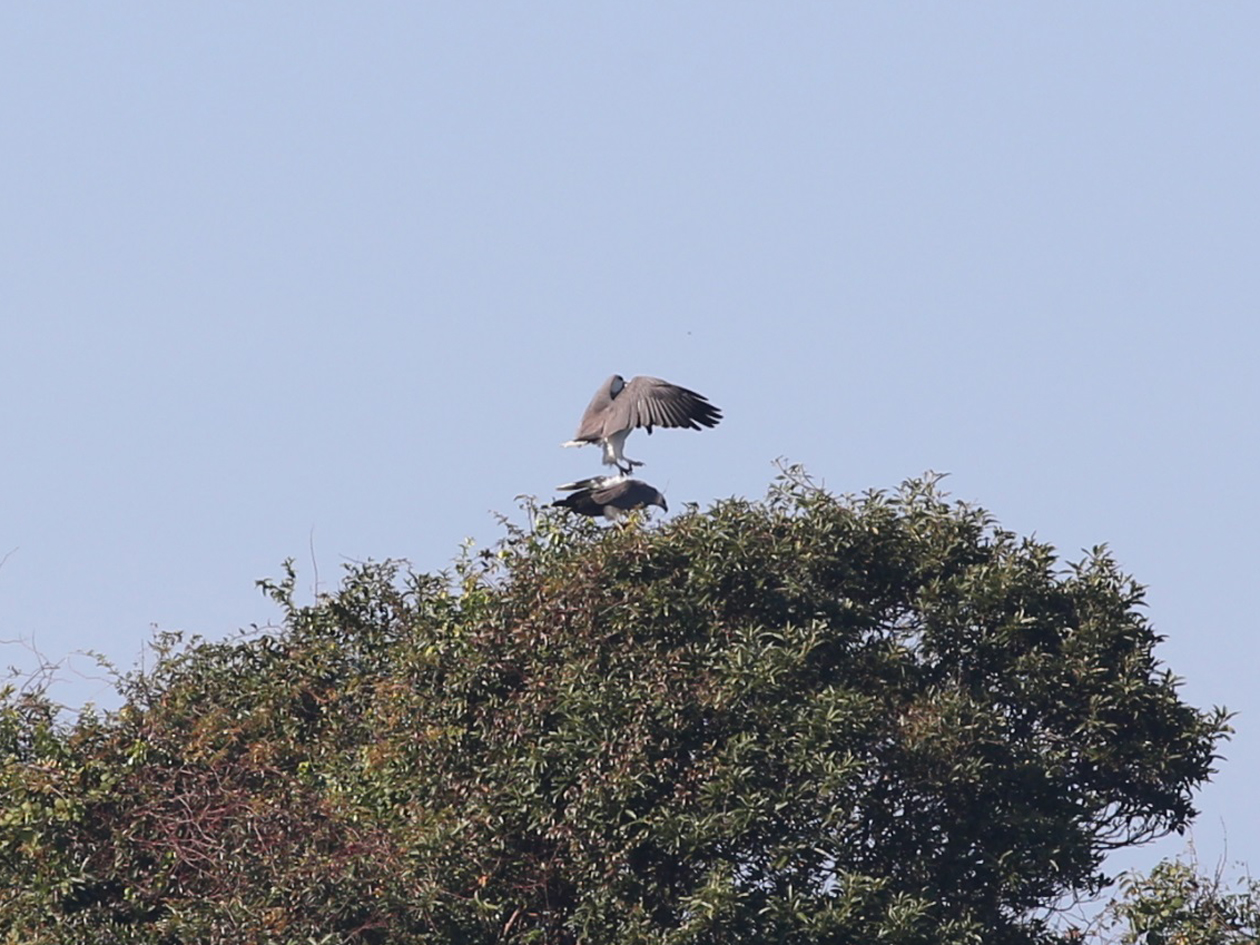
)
(334, 281)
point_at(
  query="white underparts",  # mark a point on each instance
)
(613, 446)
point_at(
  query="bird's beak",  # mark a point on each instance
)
(664, 505)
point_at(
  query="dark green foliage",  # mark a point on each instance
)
(807, 719)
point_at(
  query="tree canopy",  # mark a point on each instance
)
(809, 718)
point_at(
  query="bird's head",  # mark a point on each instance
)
(615, 384)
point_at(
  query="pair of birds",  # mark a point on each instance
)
(618, 408)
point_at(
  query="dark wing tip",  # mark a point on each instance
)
(694, 411)
(662, 404)
(706, 414)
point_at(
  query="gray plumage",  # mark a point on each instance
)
(609, 496)
(619, 407)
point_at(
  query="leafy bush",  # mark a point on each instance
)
(805, 719)
(1176, 903)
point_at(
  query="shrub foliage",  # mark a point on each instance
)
(803, 719)
(1178, 903)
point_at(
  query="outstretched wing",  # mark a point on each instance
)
(591, 426)
(651, 402)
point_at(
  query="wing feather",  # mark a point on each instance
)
(651, 401)
(609, 494)
(595, 419)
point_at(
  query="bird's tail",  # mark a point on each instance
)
(595, 482)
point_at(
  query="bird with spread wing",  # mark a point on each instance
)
(619, 407)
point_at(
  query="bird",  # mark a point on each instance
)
(619, 407)
(609, 496)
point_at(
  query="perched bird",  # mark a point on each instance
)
(609, 496)
(619, 407)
